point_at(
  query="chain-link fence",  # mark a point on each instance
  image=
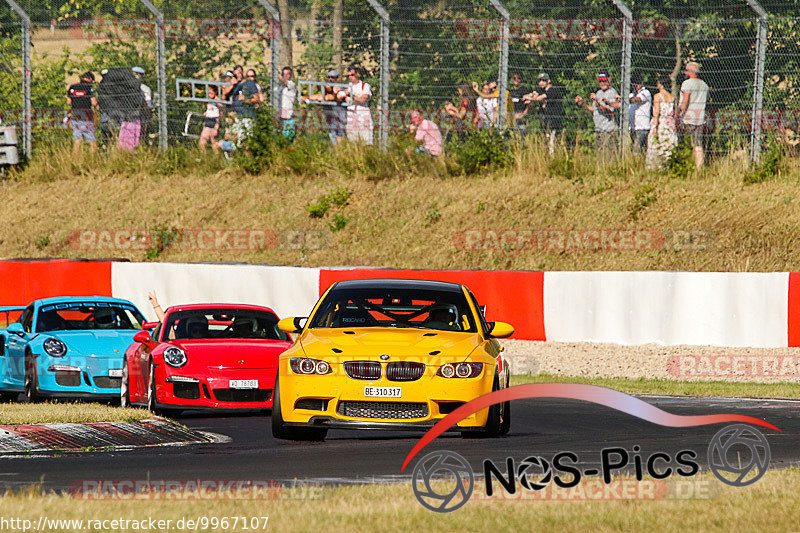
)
(527, 67)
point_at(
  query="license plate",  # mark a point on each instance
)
(115, 373)
(382, 392)
(243, 384)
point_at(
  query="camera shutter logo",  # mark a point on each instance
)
(526, 478)
(727, 460)
(453, 471)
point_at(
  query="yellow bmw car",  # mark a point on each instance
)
(389, 354)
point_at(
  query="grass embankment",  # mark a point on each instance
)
(665, 386)
(381, 209)
(52, 412)
(772, 502)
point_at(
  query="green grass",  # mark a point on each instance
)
(51, 412)
(665, 386)
(773, 503)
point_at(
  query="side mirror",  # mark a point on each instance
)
(292, 324)
(501, 330)
(16, 328)
(149, 325)
(143, 337)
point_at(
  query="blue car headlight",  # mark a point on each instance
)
(54, 347)
(174, 357)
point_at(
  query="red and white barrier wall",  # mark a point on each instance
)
(759, 310)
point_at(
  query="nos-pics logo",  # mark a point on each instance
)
(443, 481)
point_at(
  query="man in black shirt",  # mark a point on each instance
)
(82, 101)
(517, 93)
(551, 99)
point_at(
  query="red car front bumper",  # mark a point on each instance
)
(238, 388)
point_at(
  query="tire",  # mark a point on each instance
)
(125, 389)
(497, 423)
(31, 380)
(152, 398)
(281, 431)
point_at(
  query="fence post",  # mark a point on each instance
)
(275, 50)
(161, 65)
(26, 77)
(625, 71)
(758, 83)
(383, 105)
(502, 70)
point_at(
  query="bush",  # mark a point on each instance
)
(483, 150)
(258, 151)
(769, 166)
(680, 162)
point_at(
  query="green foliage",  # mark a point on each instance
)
(161, 238)
(319, 209)
(680, 162)
(338, 197)
(483, 150)
(770, 165)
(42, 242)
(433, 216)
(564, 166)
(338, 222)
(258, 151)
(643, 197)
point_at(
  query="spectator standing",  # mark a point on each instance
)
(663, 137)
(426, 132)
(694, 94)
(230, 84)
(641, 103)
(465, 115)
(210, 122)
(147, 109)
(359, 118)
(604, 104)
(335, 114)
(517, 94)
(82, 101)
(487, 106)
(551, 98)
(288, 95)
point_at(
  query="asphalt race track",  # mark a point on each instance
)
(540, 427)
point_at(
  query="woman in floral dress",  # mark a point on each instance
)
(663, 136)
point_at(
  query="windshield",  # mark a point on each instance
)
(396, 308)
(88, 315)
(223, 324)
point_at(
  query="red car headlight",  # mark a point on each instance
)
(460, 370)
(305, 365)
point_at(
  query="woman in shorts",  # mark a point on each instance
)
(211, 120)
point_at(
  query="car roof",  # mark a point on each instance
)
(420, 284)
(190, 307)
(70, 299)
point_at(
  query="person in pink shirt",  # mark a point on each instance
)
(427, 132)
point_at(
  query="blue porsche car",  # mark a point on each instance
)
(67, 347)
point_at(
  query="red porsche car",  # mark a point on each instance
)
(204, 356)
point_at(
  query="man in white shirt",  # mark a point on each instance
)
(694, 94)
(641, 102)
(359, 117)
(288, 96)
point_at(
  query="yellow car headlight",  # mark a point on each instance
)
(305, 365)
(460, 370)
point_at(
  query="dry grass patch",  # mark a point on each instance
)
(52, 412)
